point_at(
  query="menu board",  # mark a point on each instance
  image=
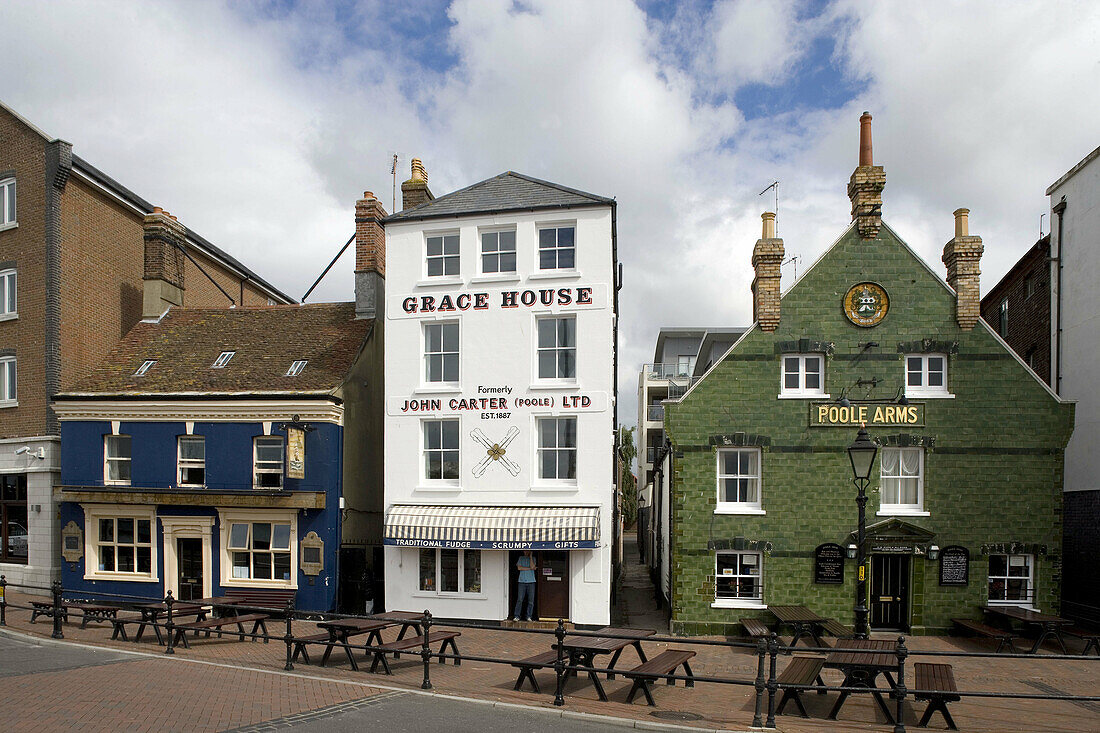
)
(954, 566)
(829, 564)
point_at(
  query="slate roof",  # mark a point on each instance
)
(510, 191)
(266, 339)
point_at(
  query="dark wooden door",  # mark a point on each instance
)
(552, 585)
(189, 559)
(890, 591)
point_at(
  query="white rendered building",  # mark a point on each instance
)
(499, 427)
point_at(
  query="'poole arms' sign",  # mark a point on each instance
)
(830, 415)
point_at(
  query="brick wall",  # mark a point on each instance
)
(993, 475)
(1027, 288)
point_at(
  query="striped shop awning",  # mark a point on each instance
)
(493, 527)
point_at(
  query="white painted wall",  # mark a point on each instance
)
(43, 530)
(1080, 302)
(498, 349)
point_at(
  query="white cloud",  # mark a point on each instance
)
(755, 41)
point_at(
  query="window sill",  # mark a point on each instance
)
(9, 403)
(9, 225)
(902, 513)
(505, 278)
(929, 396)
(821, 396)
(555, 275)
(455, 596)
(8, 317)
(447, 388)
(258, 583)
(737, 603)
(563, 384)
(1018, 604)
(563, 486)
(431, 281)
(116, 483)
(444, 488)
(750, 511)
(127, 577)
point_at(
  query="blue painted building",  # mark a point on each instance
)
(206, 455)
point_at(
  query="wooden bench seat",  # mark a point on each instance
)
(301, 642)
(89, 611)
(118, 625)
(755, 628)
(447, 638)
(803, 670)
(664, 663)
(837, 629)
(527, 668)
(1091, 637)
(271, 600)
(977, 627)
(258, 620)
(937, 682)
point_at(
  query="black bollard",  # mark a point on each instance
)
(899, 689)
(559, 665)
(773, 684)
(3, 600)
(760, 685)
(169, 601)
(426, 651)
(57, 610)
(289, 638)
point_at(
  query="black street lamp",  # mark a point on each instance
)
(862, 453)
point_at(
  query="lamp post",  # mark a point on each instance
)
(862, 454)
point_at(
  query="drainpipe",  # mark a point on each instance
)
(1059, 209)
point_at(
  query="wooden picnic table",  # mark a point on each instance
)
(804, 622)
(1050, 625)
(90, 611)
(222, 605)
(340, 630)
(862, 661)
(151, 613)
(407, 619)
(582, 650)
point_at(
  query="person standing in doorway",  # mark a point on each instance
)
(526, 567)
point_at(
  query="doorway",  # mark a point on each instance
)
(890, 592)
(189, 562)
(551, 584)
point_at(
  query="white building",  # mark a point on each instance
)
(500, 351)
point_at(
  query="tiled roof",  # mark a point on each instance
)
(510, 191)
(266, 339)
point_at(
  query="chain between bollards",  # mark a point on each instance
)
(169, 601)
(773, 684)
(899, 688)
(760, 685)
(289, 638)
(426, 651)
(559, 665)
(55, 588)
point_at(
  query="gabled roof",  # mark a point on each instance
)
(510, 191)
(266, 339)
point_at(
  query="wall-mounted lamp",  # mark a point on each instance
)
(933, 552)
(851, 552)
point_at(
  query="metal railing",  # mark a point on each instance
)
(666, 371)
(767, 650)
(655, 413)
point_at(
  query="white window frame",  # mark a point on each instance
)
(801, 391)
(228, 517)
(9, 382)
(740, 602)
(557, 449)
(442, 354)
(443, 256)
(482, 254)
(557, 349)
(740, 507)
(146, 365)
(9, 213)
(185, 463)
(92, 514)
(1029, 601)
(557, 249)
(424, 450)
(9, 294)
(922, 389)
(296, 367)
(268, 467)
(223, 359)
(893, 510)
(107, 458)
(437, 555)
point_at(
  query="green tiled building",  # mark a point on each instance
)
(966, 492)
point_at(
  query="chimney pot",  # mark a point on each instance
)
(415, 191)
(962, 223)
(866, 156)
(767, 257)
(866, 184)
(158, 210)
(768, 218)
(963, 255)
(419, 173)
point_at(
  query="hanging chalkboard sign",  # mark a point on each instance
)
(829, 564)
(954, 566)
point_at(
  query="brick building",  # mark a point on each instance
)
(74, 278)
(1018, 308)
(965, 498)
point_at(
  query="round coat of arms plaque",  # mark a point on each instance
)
(865, 304)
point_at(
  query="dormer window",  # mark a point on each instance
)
(145, 366)
(296, 368)
(223, 359)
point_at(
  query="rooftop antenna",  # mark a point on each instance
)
(794, 259)
(1041, 216)
(775, 185)
(393, 172)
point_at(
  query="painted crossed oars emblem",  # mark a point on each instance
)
(494, 452)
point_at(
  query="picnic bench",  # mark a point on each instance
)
(527, 668)
(755, 628)
(977, 627)
(341, 629)
(936, 683)
(837, 629)
(301, 642)
(89, 611)
(446, 637)
(271, 599)
(118, 626)
(664, 663)
(1092, 638)
(1050, 626)
(258, 620)
(803, 671)
(805, 623)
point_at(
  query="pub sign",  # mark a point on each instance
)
(295, 453)
(829, 564)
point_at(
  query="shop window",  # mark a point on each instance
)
(116, 460)
(442, 257)
(440, 450)
(1011, 579)
(191, 461)
(446, 571)
(557, 448)
(13, 517)
(925, 375)
(498, 252)
(267, 462)
(557, 248)
(902, 471)
(738, 579)
(739, 479)
(803, 375)
(441, 353)
(557, 350)
(260, 551)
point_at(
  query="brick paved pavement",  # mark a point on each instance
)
(716, 706)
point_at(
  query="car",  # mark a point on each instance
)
(17, 540)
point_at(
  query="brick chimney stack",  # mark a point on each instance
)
(415, 190)
(866, 184)
(164, 263)
(963, 255)
(370, 257)
(767, 256)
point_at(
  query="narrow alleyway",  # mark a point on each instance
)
(637, 606)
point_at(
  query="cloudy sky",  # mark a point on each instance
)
(260, 123)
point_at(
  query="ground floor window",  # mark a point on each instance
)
(120, 542)
(13, 517)
(1011, 578)
(738, 576)
(450, 571)
(259, 548)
